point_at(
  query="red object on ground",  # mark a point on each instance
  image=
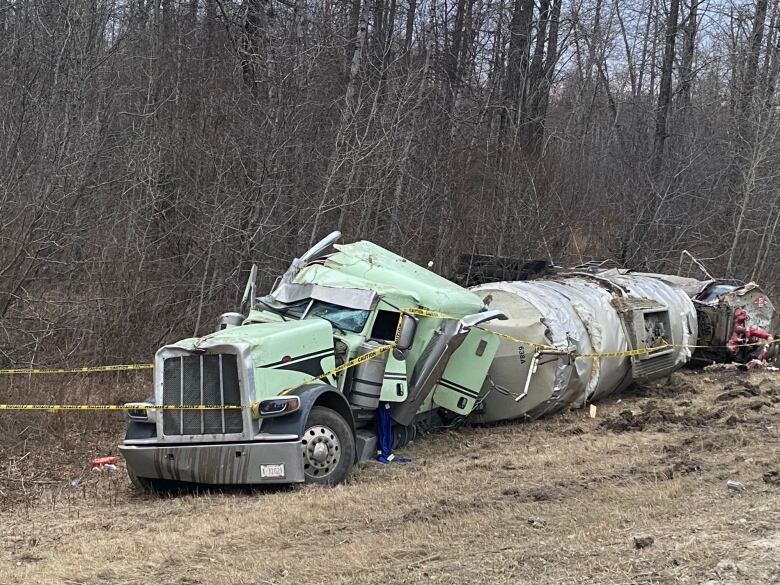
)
(98, 461)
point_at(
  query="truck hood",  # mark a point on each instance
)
(268, 343)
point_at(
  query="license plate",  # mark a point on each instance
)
(272, 470)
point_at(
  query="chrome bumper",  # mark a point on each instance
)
(223, 464)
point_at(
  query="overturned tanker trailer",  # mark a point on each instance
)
(588, 336)
(355, 349)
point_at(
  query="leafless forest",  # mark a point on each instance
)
(151, 150)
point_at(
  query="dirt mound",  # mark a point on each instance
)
(739, 389)
(628, 421)
(658, 417)
(728, 399)
(772, 477)
(677, 385)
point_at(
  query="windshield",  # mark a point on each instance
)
(342, 317)
(295, 311)
(292, 311)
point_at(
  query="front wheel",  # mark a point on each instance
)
(328, 447)
(144, 484)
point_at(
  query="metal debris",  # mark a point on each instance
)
(735, 485)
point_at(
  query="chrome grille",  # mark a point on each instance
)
(211, 380)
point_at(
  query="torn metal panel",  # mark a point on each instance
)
(719, 306)
(649, 326)
(364, 265)
(731, 318)
(354, 298)
(750, 297)
(690, 286)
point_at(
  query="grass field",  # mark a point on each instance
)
(553, 501)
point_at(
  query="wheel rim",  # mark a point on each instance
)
(321, 451)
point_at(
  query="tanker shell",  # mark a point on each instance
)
(571, 314)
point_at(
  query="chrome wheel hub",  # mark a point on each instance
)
(321, 451)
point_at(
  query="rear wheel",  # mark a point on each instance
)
(328, 447)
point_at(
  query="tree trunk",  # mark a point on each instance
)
(255, 44)
(541, 92)
(690, 28)
(665, 91)
(347, 115)
(517, 60)
(754, 53)
(772, 64)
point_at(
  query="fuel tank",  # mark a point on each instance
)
(568, 318)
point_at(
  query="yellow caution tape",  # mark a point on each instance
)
(557, 350)
(397, 336)
(439, 315)
(121, 407)
(549, 348)
(420, 312)
(117, 368)
(617, 354)
(651, 350)
(140, 406)
(345, 366)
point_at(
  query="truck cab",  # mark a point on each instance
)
(290, 389)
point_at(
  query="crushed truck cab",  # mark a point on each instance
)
(290, 391)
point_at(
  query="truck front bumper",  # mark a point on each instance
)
(221, 464)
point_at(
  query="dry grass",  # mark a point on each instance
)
(555, 501)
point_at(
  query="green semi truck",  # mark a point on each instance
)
(288, 416)
(293, 385)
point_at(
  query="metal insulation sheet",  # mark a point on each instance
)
(573, 313)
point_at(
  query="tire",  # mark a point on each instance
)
(328, 447)
(403, 435)
(147, 485)
(142, 484)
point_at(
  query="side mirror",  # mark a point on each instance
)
(249, 290)
(483, 317)
(407, 331)
(321, 246)
(298, 263)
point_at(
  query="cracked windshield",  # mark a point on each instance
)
(342, 317)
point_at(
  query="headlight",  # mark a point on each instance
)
(141, 412)
(276, 406)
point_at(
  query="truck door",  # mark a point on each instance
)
(459, 386)
(395, 382)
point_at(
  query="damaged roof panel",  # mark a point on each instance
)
(364, 265)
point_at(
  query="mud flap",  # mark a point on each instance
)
(458, 388)
(395, 384)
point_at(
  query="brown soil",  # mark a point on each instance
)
(562, 500)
